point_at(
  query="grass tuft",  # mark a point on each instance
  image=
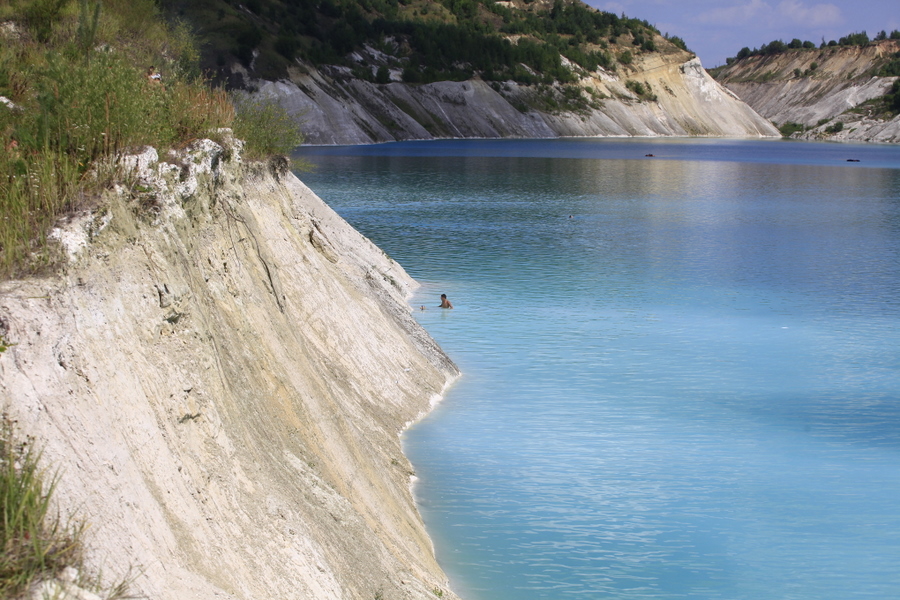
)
(35, 544)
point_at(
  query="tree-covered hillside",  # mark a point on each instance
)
(529, 41)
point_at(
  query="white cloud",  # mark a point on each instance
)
(738, 14)
(612, 7)
(817, 15)
(788, 12)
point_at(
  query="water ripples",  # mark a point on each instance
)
(681, 377)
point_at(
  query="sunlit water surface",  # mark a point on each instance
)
(681, 373)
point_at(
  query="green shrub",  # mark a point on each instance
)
(789, 128)
(643, 90)
(265, 127)
(41, 16)
(892, 98)
(892, 68)
(678, 42)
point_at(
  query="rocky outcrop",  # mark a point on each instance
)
(817, 88)
(680, 99)
(220, 374)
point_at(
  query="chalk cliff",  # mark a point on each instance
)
(817, 88)
(221, 373)
(681, 99)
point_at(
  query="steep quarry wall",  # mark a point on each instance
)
(220, 374)
(332, 107)
(810, 86)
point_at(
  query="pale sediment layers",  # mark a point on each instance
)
(819, 88)
(679, 99)
(220, 375)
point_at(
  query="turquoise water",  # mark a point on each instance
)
(681, 375)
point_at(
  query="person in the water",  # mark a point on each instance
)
(444, 302)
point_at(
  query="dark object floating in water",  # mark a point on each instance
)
(852, 160)
(648, 155)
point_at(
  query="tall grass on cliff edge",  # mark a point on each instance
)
(266, 129)
(74, 94)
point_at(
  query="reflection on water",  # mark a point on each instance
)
(681, 376)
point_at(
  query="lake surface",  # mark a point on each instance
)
(681, 373)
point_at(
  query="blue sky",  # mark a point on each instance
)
(716, 30)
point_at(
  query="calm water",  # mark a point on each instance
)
(681, 373)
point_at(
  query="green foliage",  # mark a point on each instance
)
(855, 39)
(90, 110)
(678, 42)
(772, 48)
(88, 22)
(41, 16)
(435, 39)
(265, 127)
(643, 90)
(789, 128)
(892, 98)
(836, 128)
(76, 107)
(33, 543)
(892, 68)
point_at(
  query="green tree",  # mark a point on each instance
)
(678, 42)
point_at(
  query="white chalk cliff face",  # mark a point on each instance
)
(221, 374)
(817, 88)
(332, 107)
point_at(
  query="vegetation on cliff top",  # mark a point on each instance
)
(780, 47)
(747, 66)
(75, 92)
(529, 41)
